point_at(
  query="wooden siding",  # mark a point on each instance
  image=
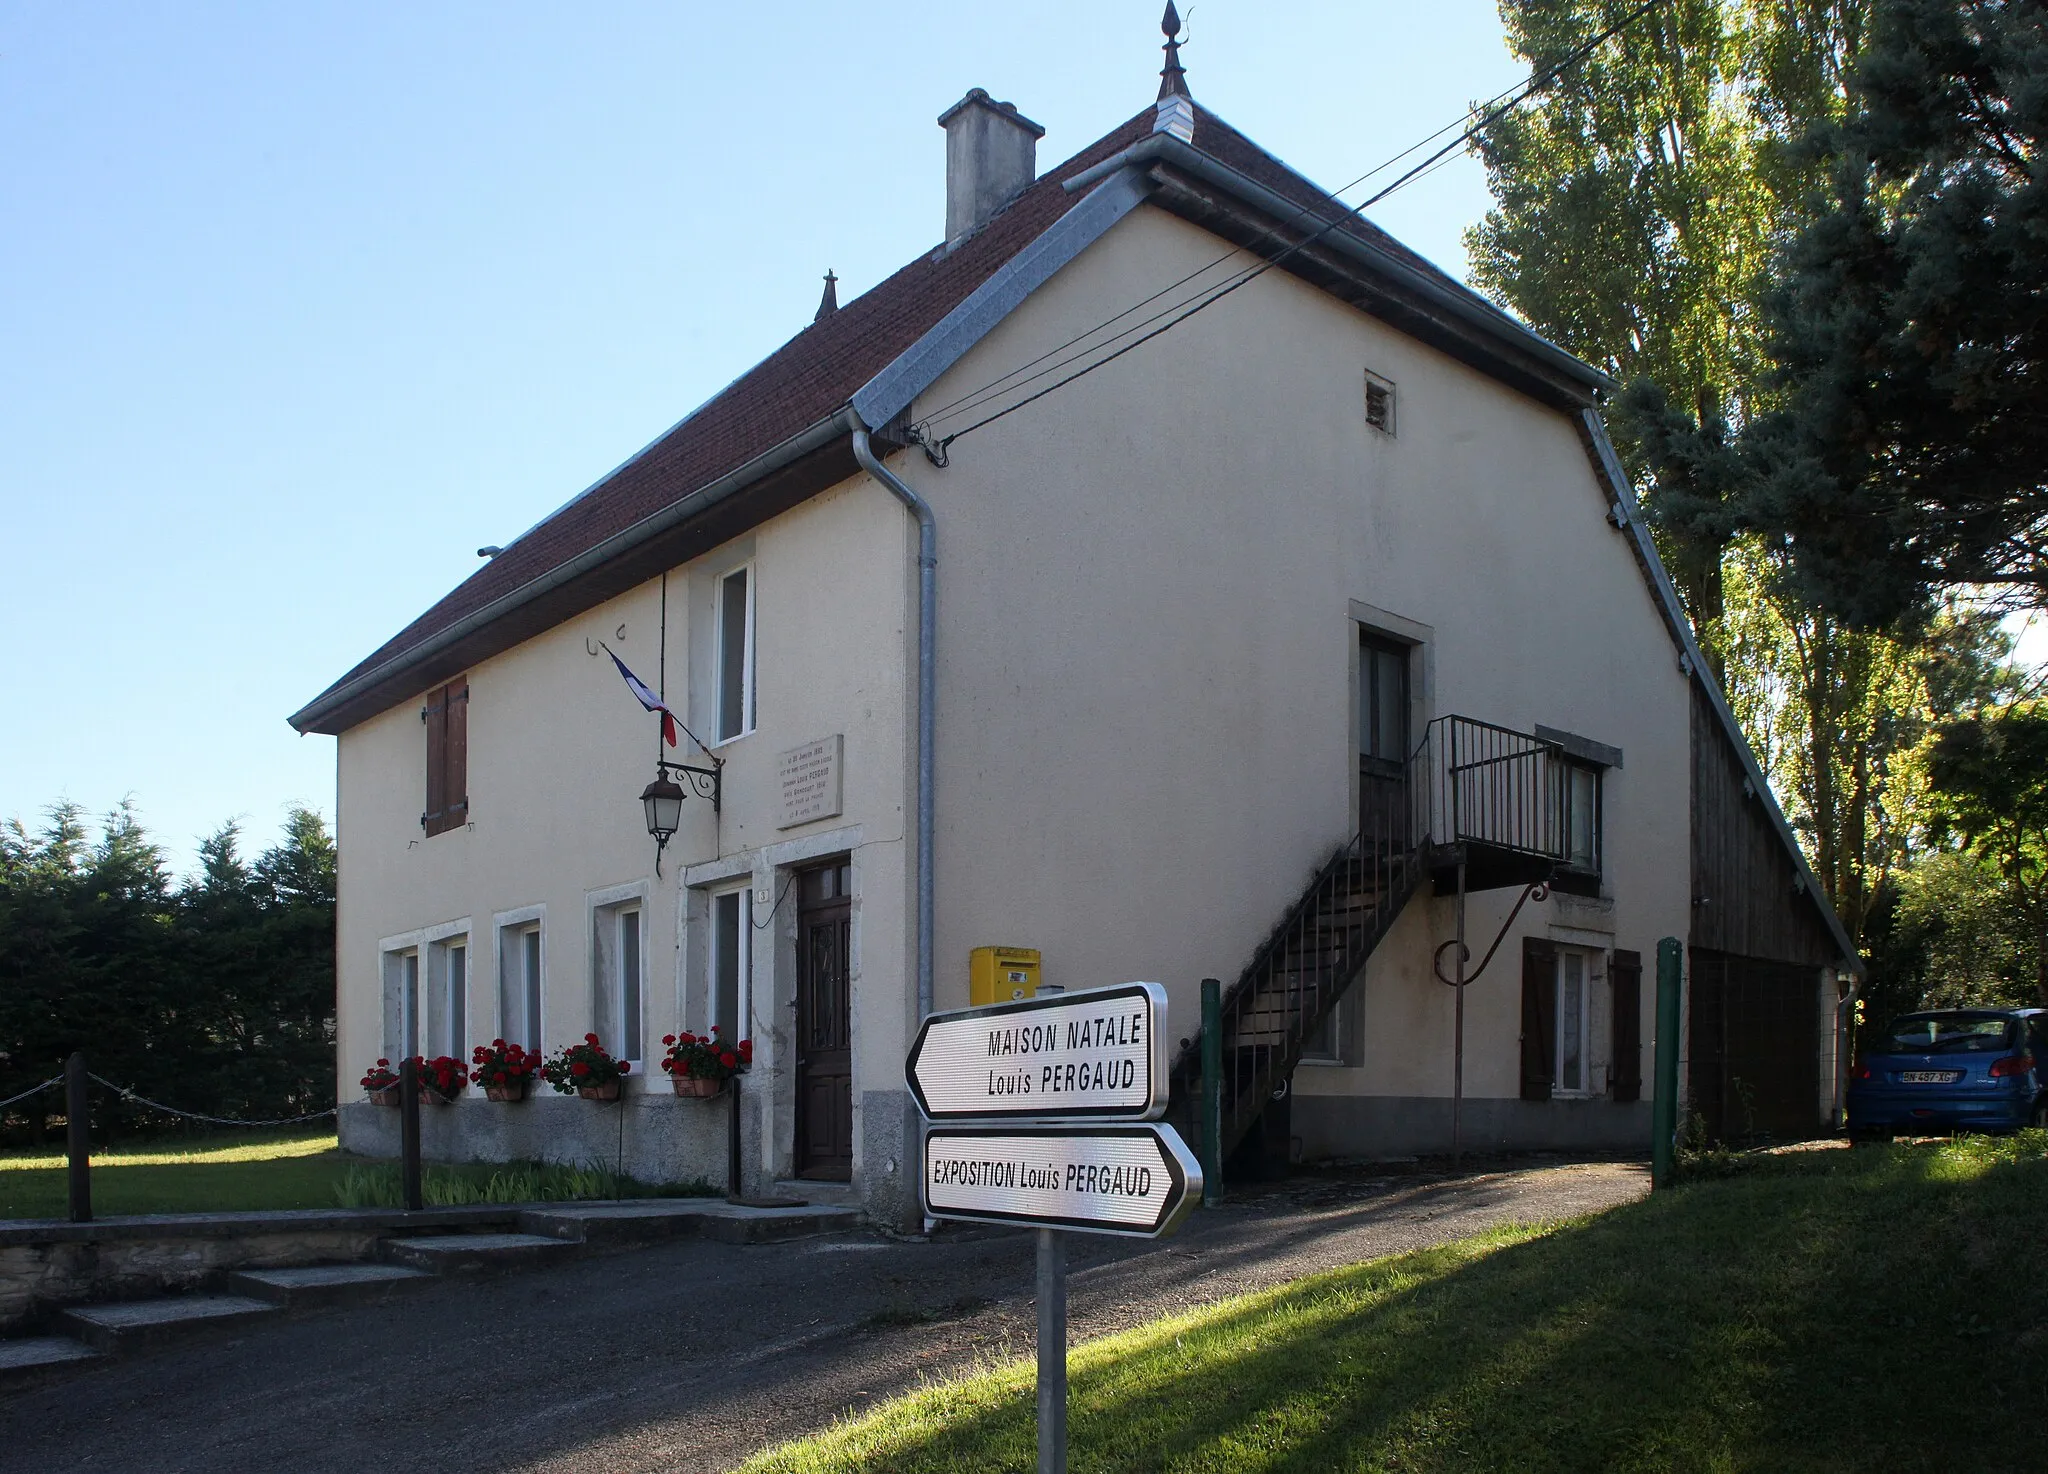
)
(1753, 1048)
(1745, 897)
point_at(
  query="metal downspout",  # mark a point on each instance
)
(927, 681)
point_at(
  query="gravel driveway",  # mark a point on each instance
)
(644, 1360)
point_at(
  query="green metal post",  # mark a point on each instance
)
(1664, 1103)
(1212, 1092)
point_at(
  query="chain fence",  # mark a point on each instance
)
(32, 1090)
(128, 1093)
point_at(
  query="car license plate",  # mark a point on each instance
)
(1929, 1077)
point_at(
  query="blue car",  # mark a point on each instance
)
(1953, 1069)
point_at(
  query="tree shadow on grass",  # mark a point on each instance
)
(1840, 1315)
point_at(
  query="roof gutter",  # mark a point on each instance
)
(927, 691)
(801, 444)
(1467, 307)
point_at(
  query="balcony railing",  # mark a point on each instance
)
(1476, 783)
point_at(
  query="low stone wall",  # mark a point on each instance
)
(652, 1137)
(46, 1265)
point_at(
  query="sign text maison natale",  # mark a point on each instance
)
(1098, 1054)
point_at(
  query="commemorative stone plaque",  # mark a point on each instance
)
(812, 787)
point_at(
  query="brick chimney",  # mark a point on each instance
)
(991, 155)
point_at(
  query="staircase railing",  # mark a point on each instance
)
(1468, 783)
(1287, 991)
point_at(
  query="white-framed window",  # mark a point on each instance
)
(1572, 1059)
(735, 663)
(447, 981)
(521, 978)
(400, 962)
(1582, 816)
(618, 973)
(1326, 1045)
(730, 963)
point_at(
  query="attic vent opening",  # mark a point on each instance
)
(1379, 402)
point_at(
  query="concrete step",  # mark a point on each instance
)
(22, 1359)
(818, 1192)
(327, 1284)
(640, 1221)
(470, 1253)
(124, 1325)
(650, 1221)
(736, 1223)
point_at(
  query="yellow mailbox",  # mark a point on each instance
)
(1002, 974)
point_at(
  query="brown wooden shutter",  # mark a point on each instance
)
(447, 718)
(434, 818)
(455, 755)
(1625, 972)
(1539, 1016)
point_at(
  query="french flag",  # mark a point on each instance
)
(647, 699)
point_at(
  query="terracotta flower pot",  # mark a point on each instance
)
(506, 1092)
(429, 1095)
(607, 1091)
(695, 1087)
(388, 1096)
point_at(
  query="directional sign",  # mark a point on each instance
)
(1134, 1180)
(1093, 1055)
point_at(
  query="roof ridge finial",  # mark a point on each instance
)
(829, 303)
(1173, 79)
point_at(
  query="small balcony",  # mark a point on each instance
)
(1491, 798)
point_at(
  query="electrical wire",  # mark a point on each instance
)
(1300, 211)
(1511, 99)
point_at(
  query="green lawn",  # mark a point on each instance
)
(210, 1174)
(1885, 1309)
(246, 1171)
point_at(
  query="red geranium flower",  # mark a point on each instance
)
(579, 1068)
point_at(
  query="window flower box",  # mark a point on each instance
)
(586, 1070)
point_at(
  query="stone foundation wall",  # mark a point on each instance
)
(37, 1276)
(655, 1138)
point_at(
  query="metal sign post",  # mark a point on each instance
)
(1054, 1062)
(1052, 1352)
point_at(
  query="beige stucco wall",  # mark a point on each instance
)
(1147, 646)
(558, 753)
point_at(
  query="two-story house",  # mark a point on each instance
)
(1167, 571)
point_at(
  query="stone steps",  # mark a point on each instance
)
(473, 1253)
(546, 1235)
(28, 1357)
(327, 1284)
(125, 1325)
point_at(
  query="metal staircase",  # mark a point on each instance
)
(1474, 799)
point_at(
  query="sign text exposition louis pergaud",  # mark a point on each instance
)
(1099, 1053)
(1136, 1179)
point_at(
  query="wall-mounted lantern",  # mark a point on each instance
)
(663, 800)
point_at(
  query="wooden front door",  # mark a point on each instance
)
(1383, 741)
(824, 1033)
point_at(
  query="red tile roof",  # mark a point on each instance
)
(816, 372)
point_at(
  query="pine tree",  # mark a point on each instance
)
(1911, 330)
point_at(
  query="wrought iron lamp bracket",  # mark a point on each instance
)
(704, 782)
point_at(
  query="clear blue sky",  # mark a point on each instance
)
(300, 303)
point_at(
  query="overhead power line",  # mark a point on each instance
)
(1205, 297)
